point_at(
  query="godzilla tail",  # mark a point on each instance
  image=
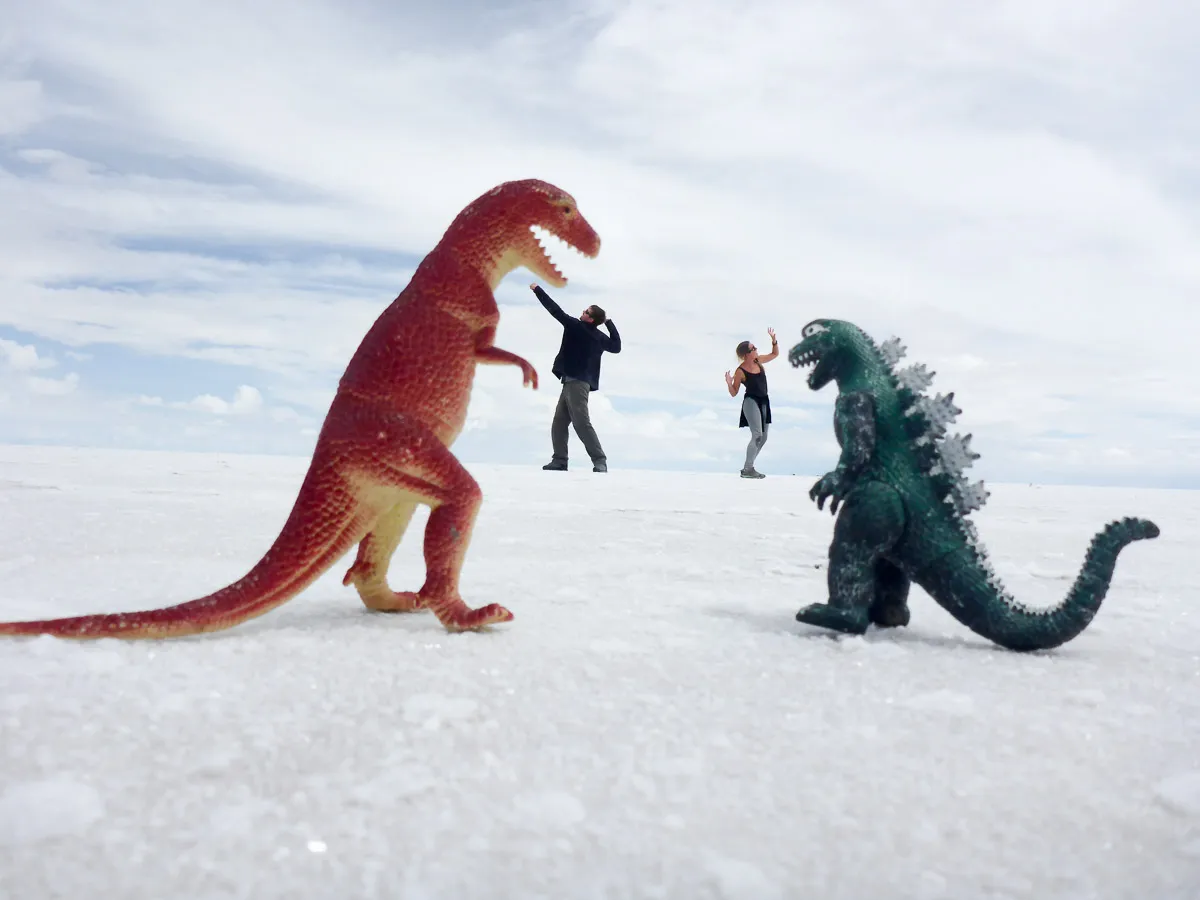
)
(962, 584)
(314, 537)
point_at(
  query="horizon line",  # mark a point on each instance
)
(468, 461)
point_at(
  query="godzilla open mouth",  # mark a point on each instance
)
(820, 374)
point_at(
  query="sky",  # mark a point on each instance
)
(204, 205)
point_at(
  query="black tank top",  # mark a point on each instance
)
(756, 382)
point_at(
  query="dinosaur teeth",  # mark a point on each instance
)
(549, 243)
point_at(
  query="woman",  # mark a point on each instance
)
(756, 407)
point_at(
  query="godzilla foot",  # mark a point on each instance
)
(822, 615)
(889, 616)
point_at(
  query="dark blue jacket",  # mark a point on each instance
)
(582, 343)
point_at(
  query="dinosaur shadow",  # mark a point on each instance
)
(774, 623)
(319, 620)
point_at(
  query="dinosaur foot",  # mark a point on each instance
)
(463, 618)
(892, 616)
(387, 600)
(822, 615)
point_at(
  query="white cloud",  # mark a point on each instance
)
(20, 105)
(22, 357)
(1010, 188)
(19, 361)
(246, 400)
(53, 386)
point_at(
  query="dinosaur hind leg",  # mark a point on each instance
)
(408, 462)
(889, 609)
(369, 572)
(868, 525)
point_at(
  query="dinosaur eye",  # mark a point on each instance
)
(566, 208)
(812, 328)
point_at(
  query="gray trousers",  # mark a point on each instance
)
(758, 430)
(572, 409)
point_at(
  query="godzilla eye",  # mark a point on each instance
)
(567, 209)
(812, 328)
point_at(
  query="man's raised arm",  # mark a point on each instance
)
(613, 342)
(554, 308)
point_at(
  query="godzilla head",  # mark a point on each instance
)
(829, 343)
(496, 233)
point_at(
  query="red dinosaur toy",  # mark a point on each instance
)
(384, 445)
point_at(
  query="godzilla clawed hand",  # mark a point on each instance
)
(831, 486)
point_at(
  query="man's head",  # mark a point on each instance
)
(593, 315)
(495, 233)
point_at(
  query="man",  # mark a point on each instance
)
(577, 365)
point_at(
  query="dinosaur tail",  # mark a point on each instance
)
(963, 585)
(315, 536)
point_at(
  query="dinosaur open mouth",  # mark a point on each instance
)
(550, 243)
(820, 373)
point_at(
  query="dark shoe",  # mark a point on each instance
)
(555, 466)
(600, 467)
(752, 473)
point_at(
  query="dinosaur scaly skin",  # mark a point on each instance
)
(384, 446)
(905, 504)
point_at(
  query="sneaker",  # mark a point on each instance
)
(752, 473)
(600, 467)
(555, 466)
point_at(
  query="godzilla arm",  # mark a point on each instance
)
(854, 424)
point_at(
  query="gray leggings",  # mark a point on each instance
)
(758, 430)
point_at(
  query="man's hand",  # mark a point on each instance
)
(534, 286)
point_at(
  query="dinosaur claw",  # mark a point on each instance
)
(356, 569)
(476, 619)
(384, 600)
(530, 378)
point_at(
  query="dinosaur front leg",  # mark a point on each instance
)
(854, 427)
(496, 356)
(375, 551)
(487, 354)
(869, 524)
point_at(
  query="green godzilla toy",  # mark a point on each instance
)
(905, 502)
